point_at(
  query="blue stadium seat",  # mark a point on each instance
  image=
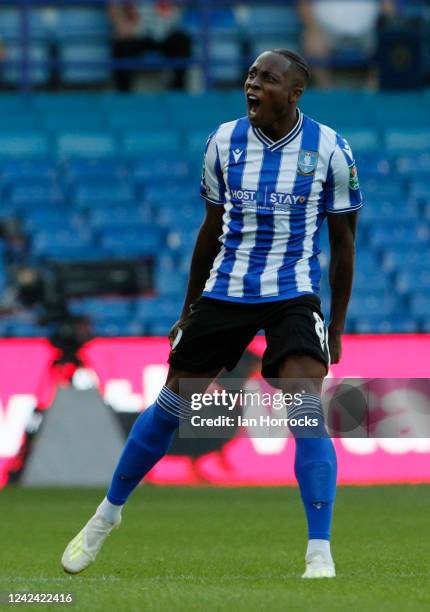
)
(103, 308)
(370, 303)
(179, 217)
(221, 20)
(85, 62)
(96, 170)
(75, 252)
(416, 164)
(31, 195)
(401, 259)
(22, 329)
(13, 103)
(50, 220)
(383, 188)
(3, 278)
(37, 71)
(27, 170)
(9, 210)
(398, 110)
(233, 101)
(196, 143)
(361, 139)
(378, 325)
(83, 23)
(118, 216)
(281, 20)
(152, 307)
(373, 163)
(371, 282)
(71, 121)
(207, 111)
(3, 329)
(132, 242)
(61, 244)
(14, 189)
(427, 210)
(407, 139)
(160, 326)
(162, 168)
(89, 195)
(139, 119)
(174, 192)
(150, 143)
(170, 283)
(413, 280)
(23, 144)
(86, 144)
(133, 103)
(67, 102)
(317, 99)
(401, 234)
(420, 189)
(346, 123)
(367, 260)
(19, 120)
(187, 218)
(65, 237)
(420, 305)
(180, 237)
(10, 24)
(118, 329)
(374, 211)
(226, 55)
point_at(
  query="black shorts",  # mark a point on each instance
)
(216, 333)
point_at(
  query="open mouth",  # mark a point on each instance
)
(253, 105)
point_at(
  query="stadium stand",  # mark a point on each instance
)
(124, 189)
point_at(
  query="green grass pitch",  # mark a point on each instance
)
(222, 549)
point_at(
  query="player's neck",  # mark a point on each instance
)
(283, 127)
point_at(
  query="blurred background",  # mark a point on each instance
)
(105, 108)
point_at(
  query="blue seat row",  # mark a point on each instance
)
(132, 143)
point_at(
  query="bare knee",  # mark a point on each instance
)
(185, 383)
(300, 373)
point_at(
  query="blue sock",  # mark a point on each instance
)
(148, 441)
(315, 466)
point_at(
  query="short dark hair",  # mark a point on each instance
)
(300, 64)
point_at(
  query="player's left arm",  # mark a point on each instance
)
(343, 199)
(342, 229)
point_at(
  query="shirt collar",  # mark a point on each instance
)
(278, 144)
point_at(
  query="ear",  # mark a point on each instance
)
(295, 94)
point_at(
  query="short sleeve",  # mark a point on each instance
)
(212, 187)
(342, 190)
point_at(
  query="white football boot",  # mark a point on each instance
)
(83, 549)
(318, 566)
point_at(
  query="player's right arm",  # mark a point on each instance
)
(207, 244)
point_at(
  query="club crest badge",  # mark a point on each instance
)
(307, 162)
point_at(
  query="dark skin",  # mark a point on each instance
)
(277, 85)
(341, 229)
(273, 88)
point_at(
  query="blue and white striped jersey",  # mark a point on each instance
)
(275, 196)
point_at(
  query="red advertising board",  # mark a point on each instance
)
(130, 371)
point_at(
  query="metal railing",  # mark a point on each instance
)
(24, 37)
(204, 33)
